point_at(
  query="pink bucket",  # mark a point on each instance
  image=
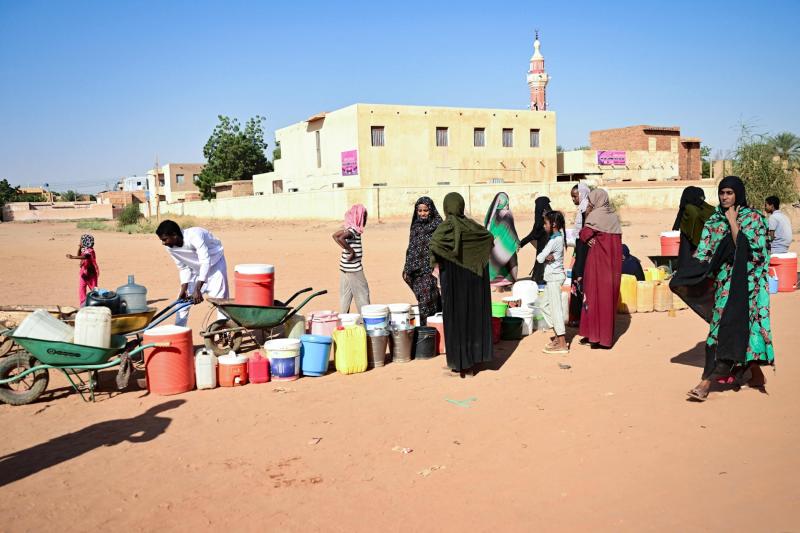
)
(324, 323)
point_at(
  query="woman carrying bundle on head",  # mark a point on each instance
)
(461, 248)
(538, 235)
(602, 233)
(726, 284)
(500, 222)
(417, 271)
(693, 213)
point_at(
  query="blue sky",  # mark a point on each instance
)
(92, 91)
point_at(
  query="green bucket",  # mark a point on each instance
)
(511, 328)
(499, 309)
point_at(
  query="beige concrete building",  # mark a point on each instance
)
(174, 182)
(634, 153)
(371, 145)
(233, 189)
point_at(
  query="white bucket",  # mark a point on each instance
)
(376, 316)
(526, 314)
(526, 290)
(350, 319)
(400, 316)
(93, 327)
(415, 315)
(284, 358)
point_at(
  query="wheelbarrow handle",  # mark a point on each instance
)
(144, 347)
(296, 309)
(167, 312)
(295, 295)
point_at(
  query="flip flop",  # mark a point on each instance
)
(695, 395)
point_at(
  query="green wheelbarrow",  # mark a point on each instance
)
(25, 374)
(225, 335)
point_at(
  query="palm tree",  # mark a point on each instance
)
(786, 146)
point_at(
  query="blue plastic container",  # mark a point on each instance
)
(315, 352)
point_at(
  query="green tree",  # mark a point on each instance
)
(69, 196)
(787, 147)
(276, 153)
(9, 193)
(754, 161)
(233, 153)
(705, 158)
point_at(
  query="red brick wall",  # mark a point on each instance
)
(632, 138)
(689, 161)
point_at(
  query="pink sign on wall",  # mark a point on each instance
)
(611, 157)
(350, 163)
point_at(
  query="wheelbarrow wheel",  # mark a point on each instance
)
(5, 345)
(222, 343)
(28, 388)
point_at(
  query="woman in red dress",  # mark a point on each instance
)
(602, 232)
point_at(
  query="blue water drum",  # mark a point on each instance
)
(315, 354)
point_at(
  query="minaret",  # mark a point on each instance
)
(537, 78)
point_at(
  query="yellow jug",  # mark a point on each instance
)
(351, 349)
(644, 296)
(627, 294)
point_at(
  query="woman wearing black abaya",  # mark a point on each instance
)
(462, 247)
(538, 235)
(693, 213)
(418, 272)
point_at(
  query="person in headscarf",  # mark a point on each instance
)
(580, 197)
(461, 248)
(602, 233)
(538, 235)
(693, 213)
(500, 222)
(417, 271)
(89, 271)
(631, 264)
(725, 282)
(352, 281)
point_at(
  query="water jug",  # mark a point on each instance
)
(103, 298)
(232, 370)
(258, 368)
(773, 280)
(93, 327)
(133, 297)
(42, 325)
(205, 369)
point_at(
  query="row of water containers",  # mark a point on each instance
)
(92, 327)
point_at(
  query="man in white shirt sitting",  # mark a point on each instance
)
(201, 264)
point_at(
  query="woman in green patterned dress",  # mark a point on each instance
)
(726, 284)
(500, 223)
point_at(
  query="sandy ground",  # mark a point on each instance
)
(610, 444)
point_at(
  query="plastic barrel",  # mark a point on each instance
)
(670, 243)
(169, 370)
(424, 342)
(315, 354)
(255, 284)
(785, 265)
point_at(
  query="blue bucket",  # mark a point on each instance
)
(773, 281)
(315, 354)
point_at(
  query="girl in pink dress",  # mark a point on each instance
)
(90, 272)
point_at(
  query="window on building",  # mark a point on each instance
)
(337, 185)
(161, 181)
(277, 186)
(379, 184)
(534, 138)
(496, 180)
(508, 137)
(319, 152)
(179, 178)
(441, 136)
(292, 190)
(195, 178)
(479, 137)
(378, 138)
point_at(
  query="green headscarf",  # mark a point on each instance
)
(459, 239)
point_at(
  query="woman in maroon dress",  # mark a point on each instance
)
(602, 232)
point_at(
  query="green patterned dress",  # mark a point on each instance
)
(753, 226)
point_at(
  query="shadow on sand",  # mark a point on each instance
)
(143, 428)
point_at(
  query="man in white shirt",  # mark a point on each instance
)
(201, 264)
(780, 229)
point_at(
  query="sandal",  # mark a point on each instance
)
(584, 341)
(556, 350)
(697, 396)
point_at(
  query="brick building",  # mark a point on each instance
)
(653, 139)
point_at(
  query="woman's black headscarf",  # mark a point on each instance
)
(691, 196)
(735, 183)
(418, 253)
